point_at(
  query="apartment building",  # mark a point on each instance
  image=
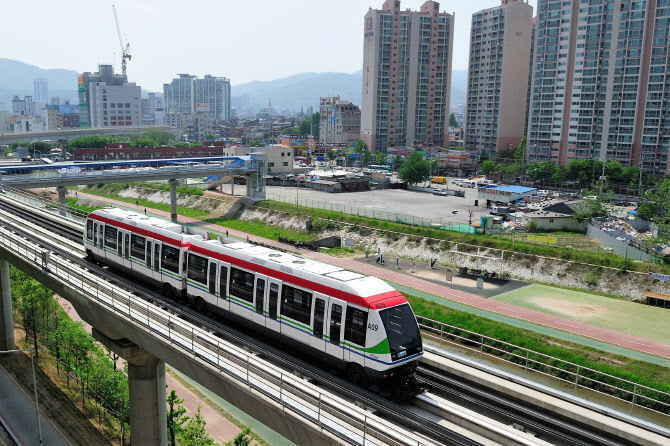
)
(406, 76)
(188, 94)
(599, 86)
(339, 121)
(500, 46)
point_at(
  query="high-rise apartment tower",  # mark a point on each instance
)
(188, 94)
(599, 86)
(406, 76)
(500, 44)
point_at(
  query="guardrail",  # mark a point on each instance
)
(529, 360)
(53, 207)
(326, 412)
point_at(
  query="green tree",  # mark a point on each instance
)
(242, 439)
(181, 144)
(176, 417)
(89, 142)
(597, 203)
(381, 158)
(416, 169)
(291, 131)
(144, 143)
(656, 208)
(360, 146)
(366, 157)
(256, 143)
(331, 155)
(194, 434)
(488, 166)
(452, 121)
(398, 162)
(161, 136)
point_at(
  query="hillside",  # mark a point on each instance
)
(17, 78)
(305, 89)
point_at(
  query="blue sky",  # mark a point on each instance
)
(241, 40)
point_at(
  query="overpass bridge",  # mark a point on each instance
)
(67, 135)
(61, 175)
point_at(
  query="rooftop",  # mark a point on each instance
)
(515, 189)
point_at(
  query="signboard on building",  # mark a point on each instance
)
(542, 238)
(202, 107)
(332, 117)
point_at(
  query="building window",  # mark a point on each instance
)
(285, 164)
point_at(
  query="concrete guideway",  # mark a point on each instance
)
(561, 324)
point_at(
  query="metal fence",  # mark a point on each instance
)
(626, 248)
(361, 212)
(573, 374)
(327, 412)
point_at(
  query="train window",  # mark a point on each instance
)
(319, 309)
(110, 237)
(335, 324)
(223, 282)
(157, 257)
(137, 245)
(296, 304)
(355, 326)
(170, 258)
(242, 284)
(119, 242)
(274, 296)
(89, 229)
(197, 268)
(260, 295)
(149, 251)
(212, 278)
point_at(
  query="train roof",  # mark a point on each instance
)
(321, 277)
(152, 225)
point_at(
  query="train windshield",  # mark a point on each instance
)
(402, 331)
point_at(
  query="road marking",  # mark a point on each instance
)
(563, 323)
(640, 343)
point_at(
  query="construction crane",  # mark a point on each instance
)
(125, 51)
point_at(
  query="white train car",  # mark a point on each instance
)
(354, 322)
(147, 247)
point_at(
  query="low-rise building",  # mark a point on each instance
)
(27, 124)
(546, 220)
(123, 151)
(279, 159)
(504, 194)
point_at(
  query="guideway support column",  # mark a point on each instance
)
(173, 199)
(62, 204)
(6, 318)
(146, 384)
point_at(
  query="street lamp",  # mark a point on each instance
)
(37, 406)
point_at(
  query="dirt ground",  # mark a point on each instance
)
(581, 311)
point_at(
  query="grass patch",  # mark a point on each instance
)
(651, 375)
(589, 257)
(340, 251)
(261, 229)
(183, 211)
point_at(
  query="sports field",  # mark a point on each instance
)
(627, 317)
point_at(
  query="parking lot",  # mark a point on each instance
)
(397, 201)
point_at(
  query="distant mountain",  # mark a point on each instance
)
(17, 78)
(305, 89)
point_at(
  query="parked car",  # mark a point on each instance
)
(442, 192)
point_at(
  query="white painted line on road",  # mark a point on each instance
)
(563, 323)
(639, 343)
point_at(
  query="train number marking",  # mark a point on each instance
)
(373, 327)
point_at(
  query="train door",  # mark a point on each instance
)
(156, 262)
(210, 296)
(273, 305)
(126, 250)
(95, 236)
(318, 325)
(259, 299)
(119, 245)
(148, 255)
(223, 301)
(101, 237)
(334, 346)
(241, 285)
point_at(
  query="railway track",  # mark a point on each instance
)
(528, 422)
(431, 430)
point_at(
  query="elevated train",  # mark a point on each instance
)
(353, 322)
